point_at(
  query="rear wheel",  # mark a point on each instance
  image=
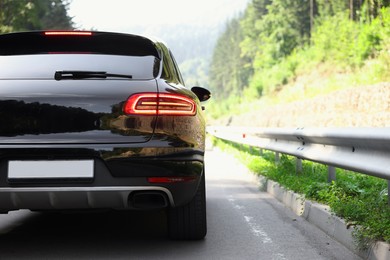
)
(188, 222)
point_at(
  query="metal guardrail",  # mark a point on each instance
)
(363, 150)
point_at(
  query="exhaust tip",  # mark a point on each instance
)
(147, 200)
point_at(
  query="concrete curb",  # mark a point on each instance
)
(320, 216)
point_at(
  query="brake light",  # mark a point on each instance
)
(69, 33)
(170, 179)
(159, 104)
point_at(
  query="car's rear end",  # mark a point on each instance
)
(92, 120)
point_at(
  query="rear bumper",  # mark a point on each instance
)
(115, 181)
(62, 198)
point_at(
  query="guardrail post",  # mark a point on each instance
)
(261, 152)
(277, 158)
(299, 168)
(331, 173)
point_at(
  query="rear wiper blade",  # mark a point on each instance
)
(74, 74)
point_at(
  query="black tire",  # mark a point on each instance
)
(188, 222)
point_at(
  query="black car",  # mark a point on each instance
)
(98, 120)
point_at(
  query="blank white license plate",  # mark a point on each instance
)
(50, 169)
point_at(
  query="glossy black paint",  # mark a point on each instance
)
(47, 119)
(85, 111)
(201, 93)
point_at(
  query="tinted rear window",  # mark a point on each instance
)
(35, 55)
(43, 66)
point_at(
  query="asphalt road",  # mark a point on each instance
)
(243, 223)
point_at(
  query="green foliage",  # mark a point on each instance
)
(228, 73)
(360, 199)
(25, 15)
(217, 107)
(268, 80)
(278, 43)
(282, 29)
(251, 27)
(16, 14)
(331, 7)
(338, 46)
(353, 43)
(268, 32)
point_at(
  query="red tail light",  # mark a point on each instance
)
(69, 33)
(170, 179)
(159, 104)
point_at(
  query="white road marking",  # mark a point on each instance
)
(254, 227)
(257, 230)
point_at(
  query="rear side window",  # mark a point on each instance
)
(36, 55)
(176, 68)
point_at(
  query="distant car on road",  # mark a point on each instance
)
(98, 120)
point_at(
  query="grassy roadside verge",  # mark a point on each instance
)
(359, 199)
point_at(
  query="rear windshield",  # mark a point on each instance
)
(44, 66)
(34, 55)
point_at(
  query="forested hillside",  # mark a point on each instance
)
(261, 54)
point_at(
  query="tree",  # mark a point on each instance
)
(55, 15)
(16, 15)
(25, 15)
(250, 24)
(285, 27)
(332, 7)
(227, 74)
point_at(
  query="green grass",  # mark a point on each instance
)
(359, 199)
